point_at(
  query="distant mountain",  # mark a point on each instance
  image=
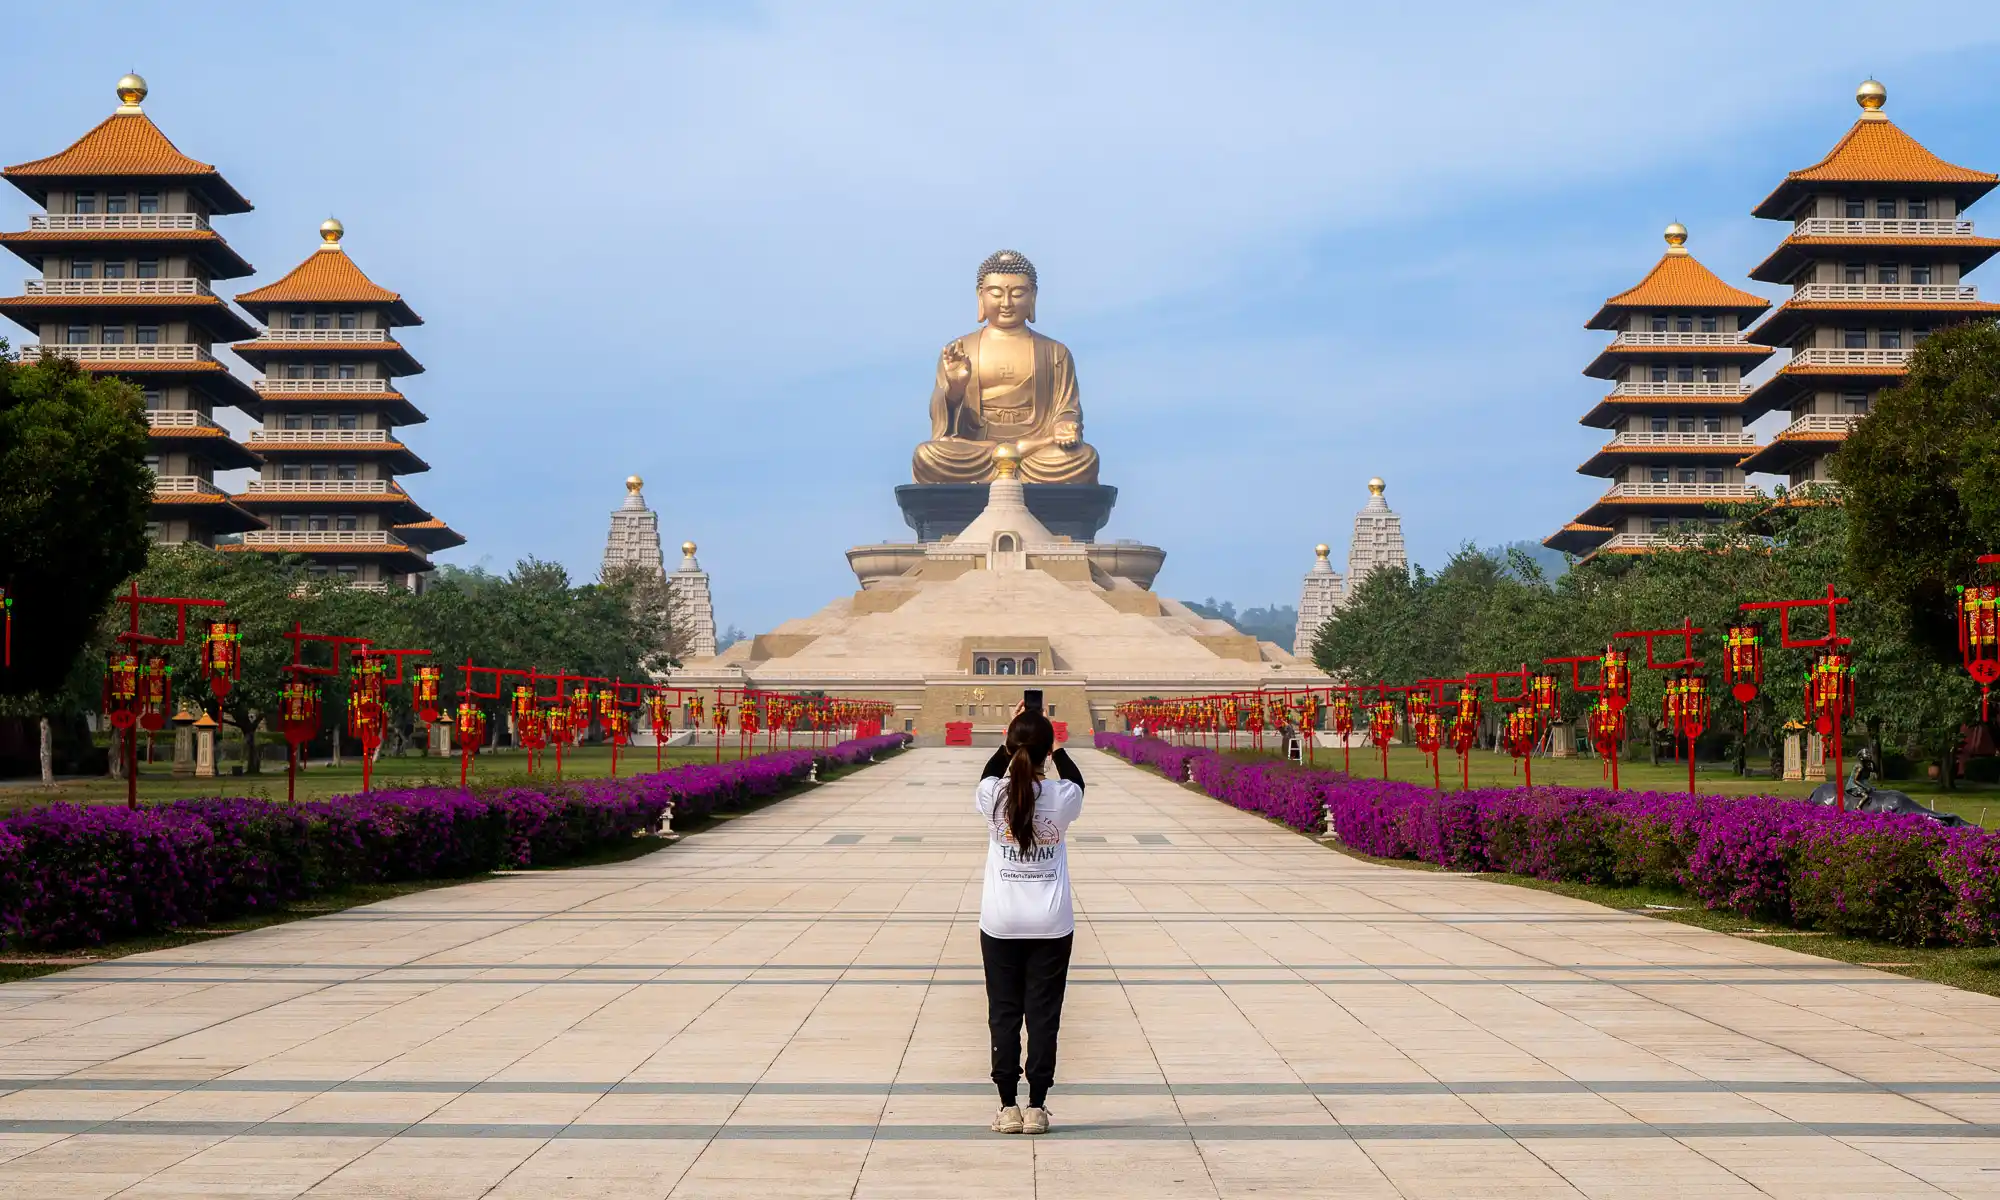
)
(1275, 623)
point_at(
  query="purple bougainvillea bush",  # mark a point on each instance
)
(1895, 878)
(77, 875)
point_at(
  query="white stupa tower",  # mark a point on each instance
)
(1323, 593)
(635, 534)
(1378, 540)
(694, 608)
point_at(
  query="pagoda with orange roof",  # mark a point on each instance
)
(1675, 410)
(128, 259)
(1876, 260)
(331, 413)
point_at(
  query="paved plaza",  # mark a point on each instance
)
(790, 1005)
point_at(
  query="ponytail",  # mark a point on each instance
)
(1030, 737)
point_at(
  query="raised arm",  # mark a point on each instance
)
(995, 766)
(1065, 768)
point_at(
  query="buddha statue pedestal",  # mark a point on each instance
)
(1073, 510)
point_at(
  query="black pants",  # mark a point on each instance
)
(1025, 979)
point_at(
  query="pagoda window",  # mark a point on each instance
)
(289, 524)
(346, 524)
(155, 399)
(146, 335)
(347, 371)
(1711, 374)
(295, 370)
(1684, 373)
(1660, 525)
(1711, 424)
(1659, 323)
(1712, 475)
(348, 421)
(1919, 208)
(316, 524)
(149, 202)
(82, 268)
(1919, 334)
(1687, 475)
(114, 335)
(291, 471)
(1854, 273)
(114, 268)
(1660, 475)
(1659, 425)
(322, 371)
(981, 666)
(1708, 324)
(322, 321)
(322, 421)
(78, 335)
(350, 320)
(1885, 209)
(1028, 668)
(149, 268)
(293, 421)
(1854, 403)
(1857, 208)
(1854, 339)
(319, 471)
(1888, 273)
(117, 202)
(1889, 339)
(1004, 666)
(347, 471)
(1920, 272)
(86, 202)
(1684, 324)
(295, 321)
(1684, 425)
(1658, 374)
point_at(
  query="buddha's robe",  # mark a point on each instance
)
(967, 429)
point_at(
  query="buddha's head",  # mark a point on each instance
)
(1006, 289)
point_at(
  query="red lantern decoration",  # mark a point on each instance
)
(1979, 638)
(425, 692)
(222, 657)
(1830, 691)
(1606, 728)
(1684, 709)
(156, 694)
(1615, 678)
(1743, 665)
(1519, 734)
(1545, 698)
(121, 688)
(367, 720)
(469, 730)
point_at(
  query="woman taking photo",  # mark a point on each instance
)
(1026, 922)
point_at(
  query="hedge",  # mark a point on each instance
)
(78, 875)
(1899, 878)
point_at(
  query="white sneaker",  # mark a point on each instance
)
(1035, 1120)
(1009, 1120)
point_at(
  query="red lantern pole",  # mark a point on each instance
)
(1687, 663)
(134, 698)
(1827, 719)
(1979, 635)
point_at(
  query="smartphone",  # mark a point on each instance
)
(1033, 699)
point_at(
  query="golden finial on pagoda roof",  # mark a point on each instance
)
(1871, 96)
(633, 483)
(330, 233)
(1677, 238)
(131, 92)
(1322, 550)
(687, 549)
(1006, 461)
(1376, 486)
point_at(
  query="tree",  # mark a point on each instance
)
(74, 497)
(1920, 479)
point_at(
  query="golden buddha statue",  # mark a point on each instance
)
(1005, 385)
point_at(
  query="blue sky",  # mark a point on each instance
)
(1291, 246)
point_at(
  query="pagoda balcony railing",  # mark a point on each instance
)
(119, 287)
(179, 418)
(1682, 491)
(1640, 337)
(115, 222)
(1891, 293)
(1817, 356)
(1631, 541)
(184, 485)
(1840, 423)
(1879, 227)
(322, 537)
(378, 586)
(122, 352)
(1741, 439)
(328, 336)
(316, 487)
(319, 437)
(328, 386)
(1642, 388)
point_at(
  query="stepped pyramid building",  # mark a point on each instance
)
(1876, 260)
(1321, 596)
(634, 540)
(128, 259)
(694, 608)
(1676, 408)
(331, 410)
(1378, 540)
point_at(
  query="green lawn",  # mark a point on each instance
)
(158, 783)
(1979, 803)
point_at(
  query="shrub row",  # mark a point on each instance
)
(1895, 878)
(77, 875)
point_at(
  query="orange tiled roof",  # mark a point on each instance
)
(326, 277)
(128, 144)
(31, 236)
(1874, 151)
(1678, 281)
